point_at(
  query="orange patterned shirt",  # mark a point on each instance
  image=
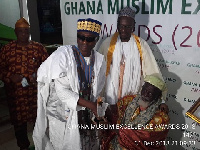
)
(24, 61)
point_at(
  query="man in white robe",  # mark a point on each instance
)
(59, 91)
(134, 54)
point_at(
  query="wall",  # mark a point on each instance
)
(10, 12)
(33, 19)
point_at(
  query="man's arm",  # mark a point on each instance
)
(71, 98)
(4, 73)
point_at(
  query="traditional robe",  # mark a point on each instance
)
(144, 130)
(139, 62)
(57, 121)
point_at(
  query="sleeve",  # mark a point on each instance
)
(149, 64)
(39, 137)
(109, 93)
(44, 54)
(4, 73)
(60, 62)
(101, 48)
(67, 96)
(102, 79)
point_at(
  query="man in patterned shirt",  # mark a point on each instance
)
(19, 61)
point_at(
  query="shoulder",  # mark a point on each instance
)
(56, 63)
(6, 48)
(107, 40)
(99, 58)
(134, 98)
(145, 48)
(105, 45)
(36, 43)
(98, 54)
(63, 51)
(10, 44)
(61, 55)
(143, 42)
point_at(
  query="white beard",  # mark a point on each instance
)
(143, 104)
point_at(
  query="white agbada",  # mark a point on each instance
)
(56, 126)
(132, 79)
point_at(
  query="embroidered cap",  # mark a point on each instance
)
(89, 25)
(22, 23)
(128, 12)
(157, 82)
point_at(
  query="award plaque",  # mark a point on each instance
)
(101, 109)
(194, 111)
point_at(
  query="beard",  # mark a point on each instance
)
(143, 104)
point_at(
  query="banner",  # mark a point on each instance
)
(172, 29)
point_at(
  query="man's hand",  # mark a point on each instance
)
(91, 105)
(33, 79)
(99, 120)
(93, 108)
(16, 78)
(112, 114)
(163, 107)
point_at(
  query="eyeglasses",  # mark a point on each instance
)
(88, 39)
(120, 26)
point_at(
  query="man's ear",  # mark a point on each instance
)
(133, 29)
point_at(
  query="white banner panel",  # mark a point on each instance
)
(172, 29)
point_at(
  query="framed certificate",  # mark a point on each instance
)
(194, 111)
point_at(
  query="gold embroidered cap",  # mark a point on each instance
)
(157, 82)
(22, 23)
(89, 25)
